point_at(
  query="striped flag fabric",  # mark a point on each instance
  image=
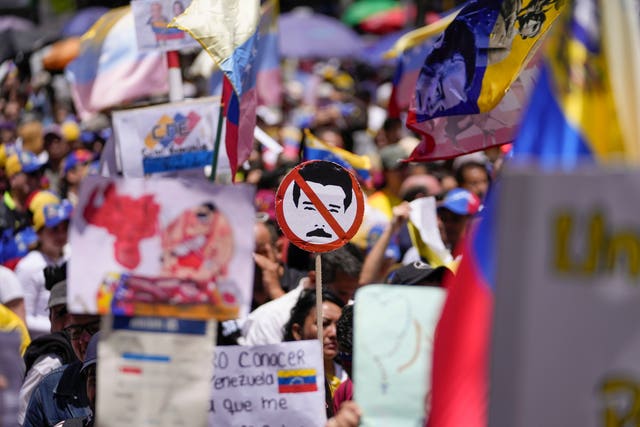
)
(315, 149)
(229, 32)
(297, 380)
(109, 70)
(479, 56)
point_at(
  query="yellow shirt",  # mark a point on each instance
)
(9, 321)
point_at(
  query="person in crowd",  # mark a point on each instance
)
(11, 293)
(24, 171)
(454, 215)
(344, 332)
(62, 393)
(474, 177)
(268, 268)
(395, 172)
(340, 275)
(89, 372)
(57, 148)
(74, 168)
(378, 261)
(50, 221)
(302, 325)
(48, 352)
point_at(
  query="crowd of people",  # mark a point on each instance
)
(46, 151)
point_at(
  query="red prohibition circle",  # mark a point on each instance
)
(344, 236)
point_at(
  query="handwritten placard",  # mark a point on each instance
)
(267, 386)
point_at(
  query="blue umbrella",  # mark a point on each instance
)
(82, 21)
(304, 34)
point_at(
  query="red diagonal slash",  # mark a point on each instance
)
(319, 205)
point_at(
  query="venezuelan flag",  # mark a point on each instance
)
(318, 150)
(410, 50)
(577, 115)
(479, 56)
(229, 32)
(297, 381)
(109, 70)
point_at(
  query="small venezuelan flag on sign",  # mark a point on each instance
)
(297, 380)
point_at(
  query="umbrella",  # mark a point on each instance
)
(388, 20)
(20, 43)
(362, 9)
(303, 34)
(79, 23)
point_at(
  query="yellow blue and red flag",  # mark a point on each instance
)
(109, 70)
(585, 106)
(315, 149)
(228, 31)
(478, 57)
(410, 50)
(297, 380)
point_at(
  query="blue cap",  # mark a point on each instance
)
(461, 202)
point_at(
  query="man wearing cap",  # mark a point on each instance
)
(23, 170)
(75, 167)
(57, 148)
(454, 214)
(395, 173)
(48, 352)
(50, 221)
(62, 394)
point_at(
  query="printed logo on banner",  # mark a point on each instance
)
(319, 206)
(172, 130)
(167, 137)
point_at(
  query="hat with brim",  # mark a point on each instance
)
(392, 155)
(417, 273)
(22, 161)
(58, 295)
(461, 202)
(52, 214)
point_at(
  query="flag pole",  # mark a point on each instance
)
(175, 76)
(216, 143)
(319, 296)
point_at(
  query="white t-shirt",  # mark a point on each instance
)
(40, 369)
(30, 272)
(264, 324)
(10, 287)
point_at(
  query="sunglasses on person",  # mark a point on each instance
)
(75, 331)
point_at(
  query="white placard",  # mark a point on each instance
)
(566, 345)
(154, 371)
(151, 18)
(162, 247)
(169, 137)
(278, 385)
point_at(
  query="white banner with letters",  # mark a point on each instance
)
(566, 344)
(279, 385)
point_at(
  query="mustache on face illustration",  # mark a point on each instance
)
(319, 232)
